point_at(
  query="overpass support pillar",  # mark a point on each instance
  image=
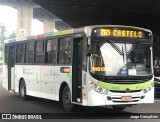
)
(24, 21)
(49, 25)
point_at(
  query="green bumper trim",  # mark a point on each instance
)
(123, 87)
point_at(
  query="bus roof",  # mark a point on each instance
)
(85, 29)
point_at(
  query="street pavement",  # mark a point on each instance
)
(12, 103)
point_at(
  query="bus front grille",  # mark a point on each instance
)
(125, 91)
(126, 101)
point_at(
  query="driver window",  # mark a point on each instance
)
(97, 57)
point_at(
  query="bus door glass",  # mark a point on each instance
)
(11, 63)
(77, 70)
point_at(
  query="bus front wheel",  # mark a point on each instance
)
(66, 99)
(22, 90)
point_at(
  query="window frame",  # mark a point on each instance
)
(31, 41)
(6, 51)
(56, 51)
(22, 61)
(85, 49)
(71, 46)
(41, 52)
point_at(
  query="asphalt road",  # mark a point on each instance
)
(12, 103)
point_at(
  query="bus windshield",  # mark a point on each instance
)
(120, 59)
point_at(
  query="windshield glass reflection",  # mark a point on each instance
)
(120, 59)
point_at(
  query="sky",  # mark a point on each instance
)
(8, 16)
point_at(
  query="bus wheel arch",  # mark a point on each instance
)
(65, 97)
(63, 84)
(22, 89)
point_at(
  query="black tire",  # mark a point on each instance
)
(119, 107)
(66, 99)
(22, 90)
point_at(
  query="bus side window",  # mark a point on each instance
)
(6, 54)
(39, 52)
(19, 53)
(29, 49)
(65, 50)
(51, 51)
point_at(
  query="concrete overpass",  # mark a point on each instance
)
(145, 13)
(26, 10)
(142, 13)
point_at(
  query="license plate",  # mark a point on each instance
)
(126, 98)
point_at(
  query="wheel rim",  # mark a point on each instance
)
(22, 91)
(67, 98)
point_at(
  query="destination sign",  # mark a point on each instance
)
(121, 33)
(124, 33)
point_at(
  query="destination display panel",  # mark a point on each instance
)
(121, 33)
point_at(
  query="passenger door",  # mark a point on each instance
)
(77, 70)
(11, 65)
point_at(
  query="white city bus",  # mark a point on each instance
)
(90, 66)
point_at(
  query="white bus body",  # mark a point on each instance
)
(48, 81)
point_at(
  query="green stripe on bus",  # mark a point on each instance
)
(123, 87)
(62, 32)
(69, 76)
(37, 76)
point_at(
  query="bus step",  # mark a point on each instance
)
(11, 91)
(77, 103)
(78, 100)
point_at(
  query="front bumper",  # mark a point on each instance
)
(97, 99)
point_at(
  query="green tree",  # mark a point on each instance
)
(2, 35)
(12, 36)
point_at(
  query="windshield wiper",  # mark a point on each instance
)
(123, 54)
(115, 47)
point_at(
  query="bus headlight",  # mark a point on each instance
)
(147, 89)
(105, 91)
(98, 89)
